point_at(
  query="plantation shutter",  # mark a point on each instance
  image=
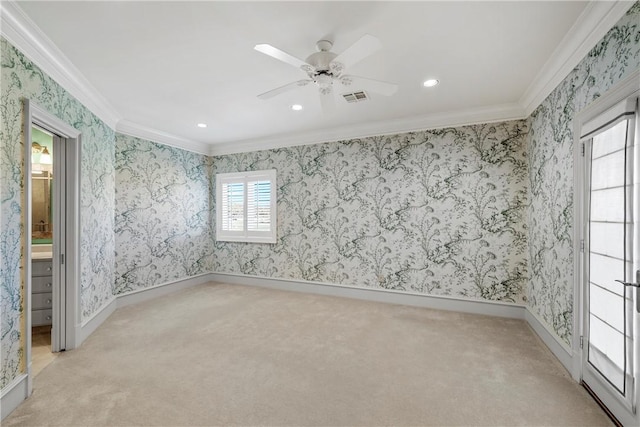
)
(259, 205)
(232, 206)
(246, 206)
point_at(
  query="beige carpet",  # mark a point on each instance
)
(221, 354)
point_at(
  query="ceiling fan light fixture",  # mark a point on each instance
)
(431, 83)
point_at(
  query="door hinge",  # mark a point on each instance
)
(61, 258)
(582, 149)
(582, 245)
(581, 341)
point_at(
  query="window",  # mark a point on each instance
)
(246, 206)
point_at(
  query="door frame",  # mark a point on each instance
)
(36, 115)
(624, 89)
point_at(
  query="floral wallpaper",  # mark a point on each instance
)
(436, 212)
(162, 214)
(22, 79)
(481, 212)
(550, 216)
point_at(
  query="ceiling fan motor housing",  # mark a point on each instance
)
(321, 60)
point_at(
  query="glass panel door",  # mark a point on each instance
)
(610, 312)
(609, 249)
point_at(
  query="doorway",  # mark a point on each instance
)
(52, 153)
(45, 206)
(611, 255)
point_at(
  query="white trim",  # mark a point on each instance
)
(47, 120)
(89, 326)
(139, 131)
(578, 256)
(25, 35)
(622, 413)
(157, 291)
(34, 114)
(590, 27)
(122, 300)
(618, 112)
(28, 110)
(489, 308)
(621, 90)
(595, 21)
(496, 113)
(621, 407)
(244, 178)
(559, 348)
(13, 395)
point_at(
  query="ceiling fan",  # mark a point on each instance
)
(326, 69)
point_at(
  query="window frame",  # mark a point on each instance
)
(249, 236)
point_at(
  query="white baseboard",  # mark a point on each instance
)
(489, 308)
(13, 395)
(16, 392)
(559, 348)
(156, 291)
(92, 323)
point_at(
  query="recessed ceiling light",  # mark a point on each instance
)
(202, 125)
(296, 107)
(430, 82)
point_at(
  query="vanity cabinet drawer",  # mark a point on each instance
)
(41, 284)
(41, 317)
(41, 301)
(41, 268)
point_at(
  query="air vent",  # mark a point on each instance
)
(355, 96)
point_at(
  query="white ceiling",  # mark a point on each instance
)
(167, 66)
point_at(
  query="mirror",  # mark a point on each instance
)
(41, 186)
(41, 218)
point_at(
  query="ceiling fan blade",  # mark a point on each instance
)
(376, 86)
(280, 55)
(328, 103)
(358, 51)
(284, 88)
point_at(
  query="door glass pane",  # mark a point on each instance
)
(608, 204)
(601, 268)
(607, 171)
(608, 239)
(609, 246)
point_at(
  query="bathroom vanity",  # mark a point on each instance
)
(41, 289)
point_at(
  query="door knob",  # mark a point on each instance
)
(634, 285)
(631, 284)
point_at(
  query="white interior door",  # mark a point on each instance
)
(58, 331)
(612, 260)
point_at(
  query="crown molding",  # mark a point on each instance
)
(24, 34)
(139, 131)
(497, 113)
(591, 26)
(595, 21)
